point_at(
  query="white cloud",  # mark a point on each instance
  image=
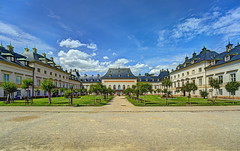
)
(69, 43)
(105, 57)
(50, 53)
(76, 59)
(156, 70)
(209, 24)
(114, 53)
(20, 38)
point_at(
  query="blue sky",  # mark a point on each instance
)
(145, 35)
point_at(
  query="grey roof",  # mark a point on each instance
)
(205, 54)
(220, 58)
(34, 56)
(162, 74)
(119, 73)
(90, 79)
(17, 57)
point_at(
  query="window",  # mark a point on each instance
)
(19, 80)
(193, 81)
(227, 58)
(220, 92)
(45, 72)
(213, 62)
(38, 82)
(220, 78)
(175, 84)
(18, 93)
(187, 73)
(59, 76)
(182, 74)
(38, 70)
(63, 77)
(193, 71)
(200, 82)
(55, 75)
(178, 75)
(233, 77)
(199, 69)
(6, 77)
(233, 93)
(50, 73)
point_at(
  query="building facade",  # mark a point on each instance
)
(198, 68)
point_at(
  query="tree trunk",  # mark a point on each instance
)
(49, 97)
(8, 99)
(189, 102)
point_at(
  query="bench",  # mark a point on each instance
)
(211, 100)
(99, 100)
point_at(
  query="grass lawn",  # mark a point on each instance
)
(61, 101)
(154, 100)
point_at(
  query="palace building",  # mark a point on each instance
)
(198, 68)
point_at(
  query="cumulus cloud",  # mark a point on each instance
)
(84, 62)
(20, 38)
(105, 57)
(70, 43)
(156, 70)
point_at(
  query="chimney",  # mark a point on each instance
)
(26, 49)
(51, 58)
(10, 48)
(44, 55)
(34, 50)
(229, 47)
(186, 58)
(194, 55)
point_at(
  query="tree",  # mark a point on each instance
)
(36, 91)
(68, 94)
(159, 91)
(98, 88)
(9, 88)
(26, 84)
(48, 85)
(141, 88)
(128, 91)
(204, 94)
(232, 87)
(188, 88)
(166, 83)
(215, 84)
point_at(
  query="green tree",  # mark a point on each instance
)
(26, 84)
(36, 91)
(98, 88)
(159, 91)
(166, 83)
(48, 85)
(215, 84)
(69, 94)
(232, 87)
(204, 94)
(128, 91)
(141, 88)
(188, 88)
(9, 88)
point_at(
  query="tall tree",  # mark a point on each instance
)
(26, 84)
(166, 83)
(232, 87)
(215, 84)
(9, 88)
(48, 85)
(188, 88)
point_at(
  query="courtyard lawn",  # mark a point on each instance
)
(154, 100)
(86, 100)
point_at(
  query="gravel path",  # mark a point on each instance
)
(119, 126)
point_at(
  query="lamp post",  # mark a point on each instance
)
(71, 97)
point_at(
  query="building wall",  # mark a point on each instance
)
(14, 71)
(225, 71)
(194, 73)
(119, 84)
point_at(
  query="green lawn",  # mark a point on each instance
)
(154, 100)
(61, 101)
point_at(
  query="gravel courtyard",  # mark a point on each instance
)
(120, 126)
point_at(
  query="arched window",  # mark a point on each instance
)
(114, 87)
(124, 87)
(128, 86)
(109, 86)
(119, 87)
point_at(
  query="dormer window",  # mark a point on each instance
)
(213, 62)
(192, 62)
(227, 58)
